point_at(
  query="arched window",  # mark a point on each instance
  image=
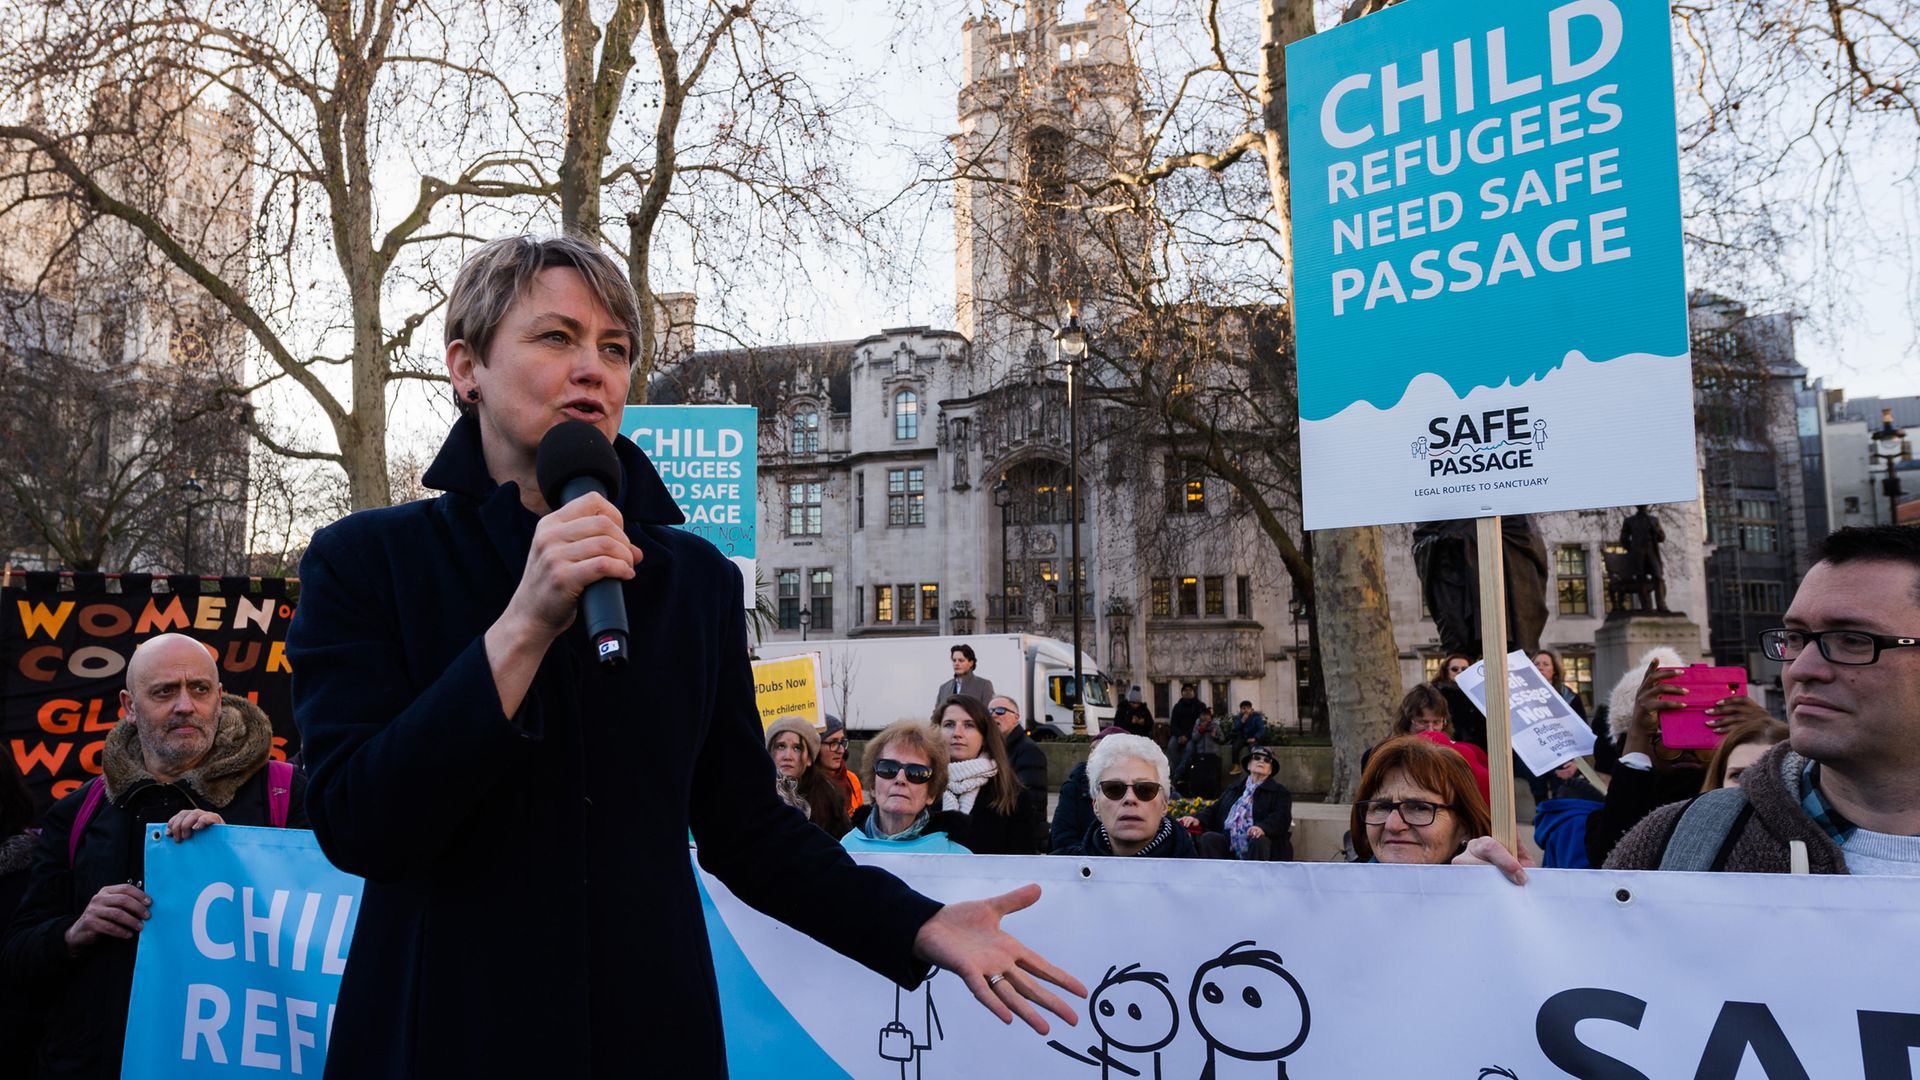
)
(805, 436)
(906, 415)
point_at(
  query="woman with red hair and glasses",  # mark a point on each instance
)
(1418, 803)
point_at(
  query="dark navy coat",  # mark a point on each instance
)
(530, 905)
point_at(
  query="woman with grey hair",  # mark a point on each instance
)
(1129, 777)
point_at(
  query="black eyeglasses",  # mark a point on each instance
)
(1853, 647)
(1414, 812)
(887, 769)
(833, 744)
(1115, 790)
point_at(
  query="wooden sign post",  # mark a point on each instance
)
(1493, 646)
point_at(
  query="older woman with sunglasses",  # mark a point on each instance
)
(1129, 777)
(906, 775)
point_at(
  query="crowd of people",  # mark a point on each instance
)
(465, 757)
(1835, 791)
(1424, 792)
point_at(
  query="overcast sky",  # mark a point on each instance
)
(1868, 345)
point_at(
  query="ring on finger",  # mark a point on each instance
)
(994, 980)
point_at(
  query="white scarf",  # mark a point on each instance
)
(964, 781)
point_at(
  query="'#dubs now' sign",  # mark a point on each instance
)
(1489, 294)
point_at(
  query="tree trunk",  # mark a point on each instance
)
(580, 159)
(1357, 651)
(1358, 659)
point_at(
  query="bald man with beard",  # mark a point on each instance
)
(183, 754)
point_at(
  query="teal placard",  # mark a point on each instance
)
(238, 969)
(1489, 285)
(709, 457)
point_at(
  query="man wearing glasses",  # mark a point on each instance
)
(1842, 795)
(1029, 761)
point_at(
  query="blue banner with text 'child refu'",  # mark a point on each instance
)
(1489, 292)
(239, 967)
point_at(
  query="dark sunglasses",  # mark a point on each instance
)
(887, 769)
(1115, 790)
(1002, 710)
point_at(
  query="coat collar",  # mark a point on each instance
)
(242, 740)
(460, 469)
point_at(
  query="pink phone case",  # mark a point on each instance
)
(1686, 728)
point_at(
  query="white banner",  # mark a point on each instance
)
(1336, 972)
(1547, 733)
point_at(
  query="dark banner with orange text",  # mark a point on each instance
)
(64, 644)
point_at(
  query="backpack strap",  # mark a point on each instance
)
(89, 805)
(1706, 829)
(279, 798)
(279, 792)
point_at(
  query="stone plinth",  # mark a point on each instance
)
(1623, 639)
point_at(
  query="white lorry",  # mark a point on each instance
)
(872, 682)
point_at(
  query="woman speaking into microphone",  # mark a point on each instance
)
(519, 809)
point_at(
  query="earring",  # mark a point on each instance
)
(473, 394)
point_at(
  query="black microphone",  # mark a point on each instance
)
(575, 459)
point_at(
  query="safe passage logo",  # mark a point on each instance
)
(1501, 440)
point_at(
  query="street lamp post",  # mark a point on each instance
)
(192, 489)
(1003, 498)
(806, 621)
(1887, 443)
(1071, 342)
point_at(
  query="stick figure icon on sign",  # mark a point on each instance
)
(1134, 1012)
(1250, 1010)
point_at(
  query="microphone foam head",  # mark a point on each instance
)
(572, 449)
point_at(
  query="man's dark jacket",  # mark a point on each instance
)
(1030, 765)
(1074, 812)
(1272, 811)
(1185, 712)
(530, 905)
(87, 1012)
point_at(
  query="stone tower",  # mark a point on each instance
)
(1044, 104)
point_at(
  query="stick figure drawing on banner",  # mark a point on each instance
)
(1420, 447)
(1132, 1010)
(1539, 433)
(898, 1042)
(1250, 1010)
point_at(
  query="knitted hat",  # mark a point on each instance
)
(834, 725)
(1110, 729)
(799, 727)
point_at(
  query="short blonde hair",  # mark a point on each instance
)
(918, 735)
(502, 271)
(1114, 747)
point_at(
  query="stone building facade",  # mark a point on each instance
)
(87, 303)
(916, 480)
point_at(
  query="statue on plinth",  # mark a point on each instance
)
(1447, 555)
(1639, 572)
